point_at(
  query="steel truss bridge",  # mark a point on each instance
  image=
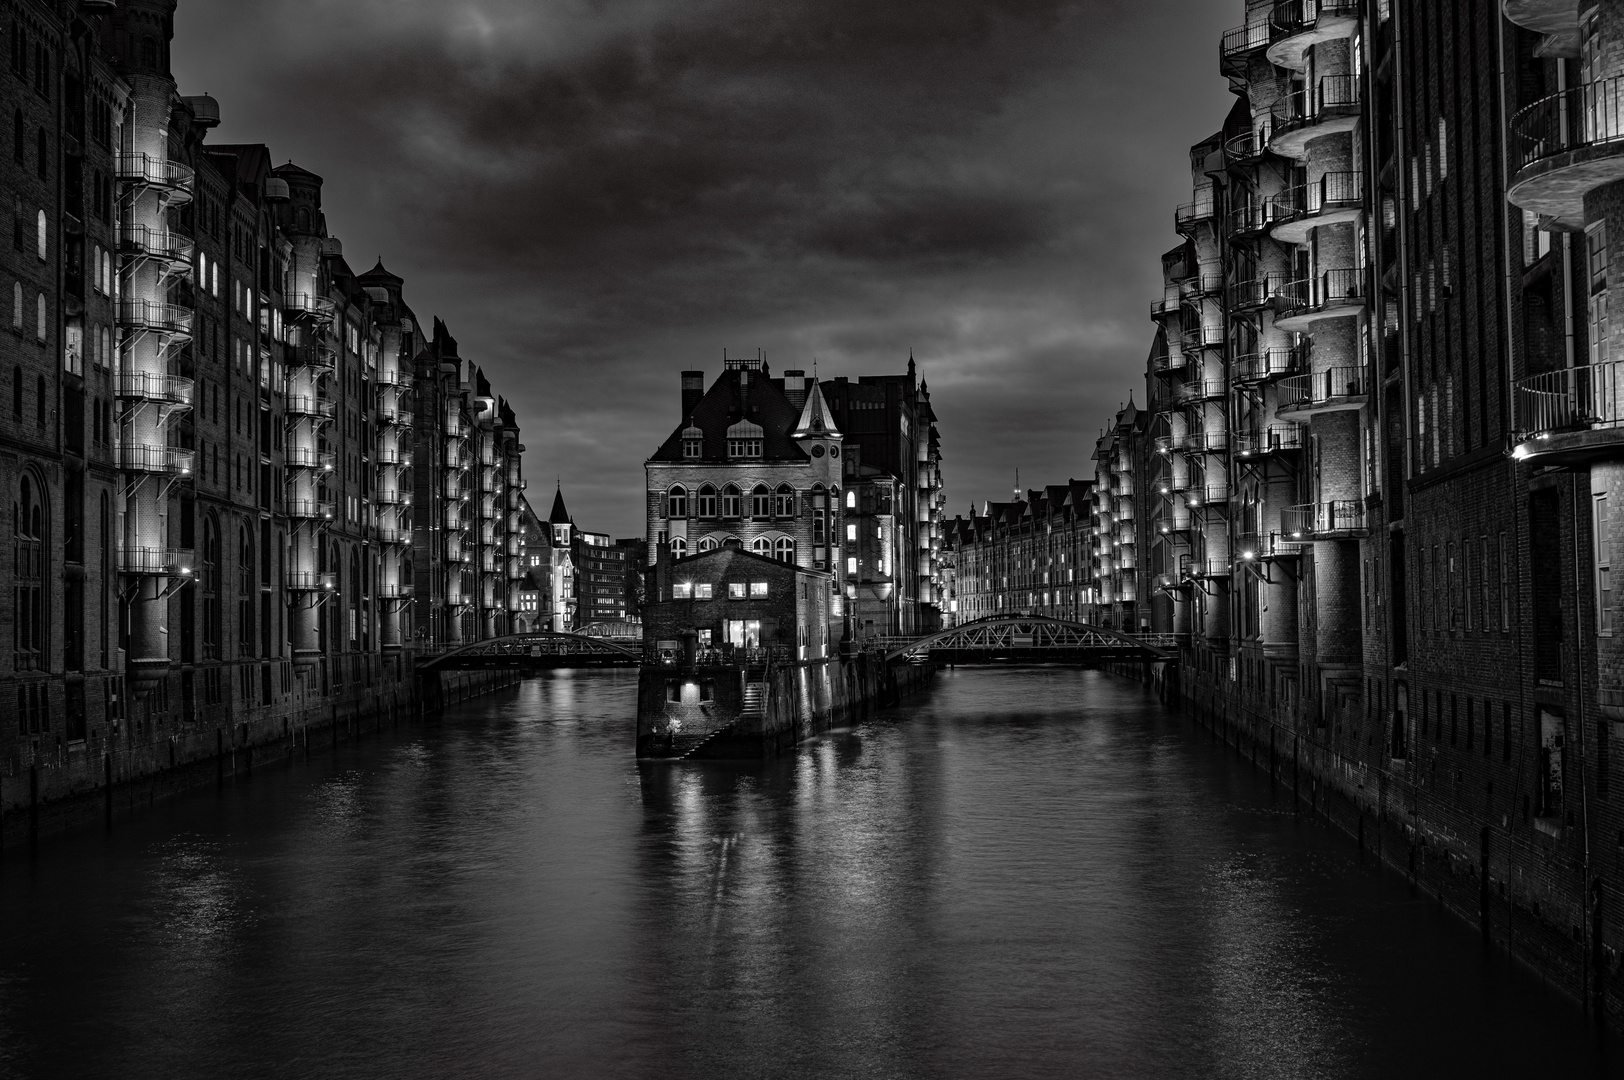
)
(1031, 639)
(541, 649)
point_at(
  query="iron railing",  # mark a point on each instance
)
(154, 243)
(1274, 438)
(155, 561)
(165, 460)
(1306, 391)
(1335, 95)
(1575, 398)
(1295, 16)
(155, 386)
(1329, 289)
(1267, 364)
(310, 581)
(1591, 114)
(1308, 520)
(155, 315)
(155, 171)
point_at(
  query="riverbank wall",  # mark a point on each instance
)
(756, 707)
(46, 790)
(1518, 883)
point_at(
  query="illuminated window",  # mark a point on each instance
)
(677, 502)
(851, 566)
(704, 591)
(735, 590)
(682, 590)
(758, 590)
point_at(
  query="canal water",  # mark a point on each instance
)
(1020, 873)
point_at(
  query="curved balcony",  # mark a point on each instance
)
(1331, 106)
(319, 356)
(1337, 199)
(142, 242)
(393, 414)
(1169, 361)
(1259, 367)
(300, 405)
(1554, 17)
(458, 552)
(158, 460)
(311, 509)
(308, 305)
(394, 592)
(1570, 417)
(1201, 569)
(152, 386)
(310, 581)
(155, 562)
(1334, 294)
(301, 457)
(391, 456)
(155, 317)
(1298, 25)
(1198, 390)
(1338, 519)
(1251, 220)
(1337, 389)
(393, 497)
(1239, 45)
(1176, 526)
(1201, 285)
(1211, 493)
(392, 376)
(1186, 218)
(1167, 305)
(1202, 337)
(393, 534)
(1266, 547)
(1273, 439)
(1252, 295)
(1567, 145)
(145, 170)
(1247, 148)
(1206, 442)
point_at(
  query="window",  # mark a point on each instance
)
(784, 549)
(707, 502)
(17, 136)
(1596, 248)
(732, 502)
(676, 502)
(682, 590)
(29, 550)
(784, 501)
(39, 316)
(851, 500)
(851, 534)
(1603, 534)
(17, 306)
(40, 229)
(708, 544)
(758, 590)
(679, 547)
(1505, 588)
(851, 566)
(43, 150)
(39, 399)
(761, 546)
(736, 590)
(704, 591)
(761, 502)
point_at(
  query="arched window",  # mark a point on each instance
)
(17, 136)
(304, 219)
(761, 546)
(245, 590)
(820, 515)
(149, 52)
(354, 635)
(732, 502)
(40, 229)
(707, 502)
(708, 544)
(17, 392)
(29, 553)
(43, 146)
(676, 502)
(851, 500)
(39, 316)
(17, 306)
(679, 547)
(784, 549)
(784, 501)
(39, 399)
(761, 502)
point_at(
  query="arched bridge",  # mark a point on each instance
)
(1032, 639)
(541, 649)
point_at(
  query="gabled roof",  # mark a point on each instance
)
(815, 420)
(739, 395)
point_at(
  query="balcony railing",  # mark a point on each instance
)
(311, 509)
(1205, 568)
(162, 460)
(1253, 547)
(1253, 218)
(1268, 364)
(1208, 493)
(1334, 95)
(313, 354)
(1247, 145)
(1311, 520)
(310, 581)
(392, 376)
(144, 241)
(1206, 442)
(155, 316)
(1335, 191)
(1591, 114)
(1193, 213)
(1242, 40)
(314, 304)
(393, 497)
(1321, 388)
(1167, 305)
(1272, 439)
(1203, 337)
(1292, 17)
(300, 457)
(392, 456)
(1172, 360)
(393, 534)
(1198, 390)
(1572, 399)
(303, 405)
(154, 172)
(1333, 288)
(153, 386)
(394, 592)
(154, 561)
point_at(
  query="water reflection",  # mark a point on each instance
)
(1022, 873)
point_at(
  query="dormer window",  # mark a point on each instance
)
(744, 440)
(693, 443)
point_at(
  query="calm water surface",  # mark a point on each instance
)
(1021, 873)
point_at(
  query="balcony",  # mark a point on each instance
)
(1334, 294)
(301, 457)
(394, 592)
(1254, 368)
(1251, 220)
(1206, 442)
(155, 562)
(1339, 519)
(1202, 337)
(391, 456)
(142, 242)
(1337, 199)
(393, 376)
(1211, 493)
(1202, 569)
(1247, 147)
(1567, 145)
(1255, 294)
(314, 407)
(1297, 25)
(393, 497)
(311, 509)
(168, 176)
(1172, 360)
(1240, 45)
(310, 581)
(155, 317)
(1570, 417)
(308, 305)
(1201, 285)
(1167, 305)
(392, 534)
(1332, 106)
(1337, 389)
(1198, 390)
(1173, 527)
(1274, 439)
(151, 386)
(1192, 214)
(319, 356)
(1266, 546)
(157, 460)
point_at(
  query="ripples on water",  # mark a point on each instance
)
(1021, 873)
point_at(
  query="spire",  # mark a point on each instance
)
(815, 420)
(559, 516)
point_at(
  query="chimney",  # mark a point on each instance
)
(795, 388)
(693, 388)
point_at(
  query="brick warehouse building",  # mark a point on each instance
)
(244, 481)
(1386, 430)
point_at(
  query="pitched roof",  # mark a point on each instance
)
(739, 395)
(559, 516)
(815, 418)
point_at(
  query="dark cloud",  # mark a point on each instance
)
(596, 194)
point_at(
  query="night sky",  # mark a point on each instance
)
(597, 194)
